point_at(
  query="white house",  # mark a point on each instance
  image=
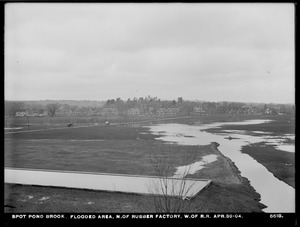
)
(133, 111)
(167, 112)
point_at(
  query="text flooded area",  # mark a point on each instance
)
(124, 216)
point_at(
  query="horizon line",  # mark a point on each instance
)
(191, 100)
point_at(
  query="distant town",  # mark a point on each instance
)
(140, 107)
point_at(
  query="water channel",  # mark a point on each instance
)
(275, 194)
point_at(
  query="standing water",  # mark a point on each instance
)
(275, 194)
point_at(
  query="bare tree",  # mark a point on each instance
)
(52, 109)
(171, 191)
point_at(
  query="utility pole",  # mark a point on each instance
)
(27, 122)
(44, 121)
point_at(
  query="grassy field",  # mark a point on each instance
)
(107, 149)
(125, 150)
(38, 123)
(15, 124)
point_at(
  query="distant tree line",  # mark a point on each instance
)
(186, 107)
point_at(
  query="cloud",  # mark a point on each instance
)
(156, 47)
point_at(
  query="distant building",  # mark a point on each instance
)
(267, 111)
(161, 112)
(167, 112)
(133, 112)
(149, 111)
(21, 113)
(63, 112)
(197, 110)
(173, 111)
(247, 110)
(271, 111)
(42, 113)
(108, 111)
(30, 113)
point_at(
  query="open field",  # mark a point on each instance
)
(15, 124)
(110, 149)
(37, 123)
(34, 123)
(123, 150)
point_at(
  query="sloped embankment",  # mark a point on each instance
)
(229, 191)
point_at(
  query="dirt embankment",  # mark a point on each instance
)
(225, 170)
(228, 187)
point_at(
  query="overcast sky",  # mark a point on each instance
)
(213, 52)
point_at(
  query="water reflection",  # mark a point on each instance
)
(277, 195)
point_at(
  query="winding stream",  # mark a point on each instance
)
(275, 194)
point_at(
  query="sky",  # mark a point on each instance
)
(243, 52)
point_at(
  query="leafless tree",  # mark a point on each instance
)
(170, 191)
(52, 109)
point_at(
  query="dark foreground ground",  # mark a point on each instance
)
(125, 150)
(229, 192)
(216, 198)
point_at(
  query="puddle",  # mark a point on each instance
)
(13, 128)
(286, 147)
(182, 171)
(44, 198)
(264, 182)
(261, 132)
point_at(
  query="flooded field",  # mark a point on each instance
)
(280, 142)
(182, 171)
(275, 194)
(185, 188)
(127, 150)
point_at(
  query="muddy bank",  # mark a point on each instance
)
(238, 182)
